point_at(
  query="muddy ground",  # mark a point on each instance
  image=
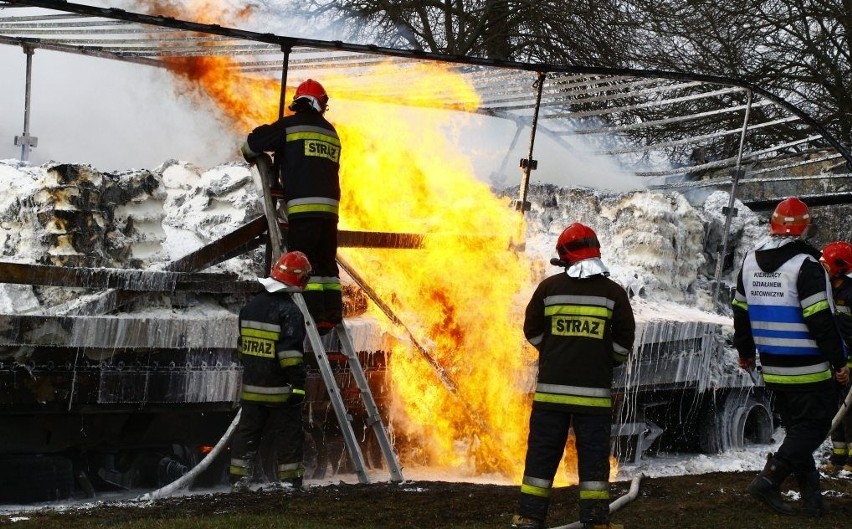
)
(700, 501)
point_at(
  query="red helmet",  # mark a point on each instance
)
(791, 217)
(577, 242)
(837, 258)
(313, 92)
(292, 268)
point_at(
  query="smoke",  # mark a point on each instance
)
(109, 114)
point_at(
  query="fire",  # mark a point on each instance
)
(461, 295)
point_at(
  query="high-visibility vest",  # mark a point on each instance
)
(788, 352)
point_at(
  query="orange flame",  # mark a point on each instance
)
(460, 295)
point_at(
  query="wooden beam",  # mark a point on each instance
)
(134, 280)
(214, 331)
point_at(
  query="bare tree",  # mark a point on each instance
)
(548, 30)
(809, 56)
(798, 49)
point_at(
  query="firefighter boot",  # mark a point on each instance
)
(812, 504)
(766, 487)
(523, 522)
(242, 474)
(292, 483)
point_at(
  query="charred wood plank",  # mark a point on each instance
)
(135, 280)
(214, 331)
(379, 239)
(242, 240)
(216, 252)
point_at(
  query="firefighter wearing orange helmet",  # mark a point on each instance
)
(837, 261)
(306, 151)
(783, 313)
(582, 324)
(272, 335)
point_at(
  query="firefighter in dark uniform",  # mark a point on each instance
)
(272, 335)
(582, 324)
(837, 261)
(306, 151)
(783, 312)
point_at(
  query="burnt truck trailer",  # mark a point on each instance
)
(133, 400)
(123, 378)
(683, 391)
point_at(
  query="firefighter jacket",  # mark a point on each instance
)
(783, 310)
(307, 157)
(582, 328)
(272, 335)
(842, 288)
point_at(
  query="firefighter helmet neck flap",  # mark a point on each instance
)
(312, 94)
(577, 242)
(791, 217)
(290, 272)
(837, 258)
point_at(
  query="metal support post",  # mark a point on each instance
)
(25, 141)
(528, 164)
(730, 211)
(282, 101)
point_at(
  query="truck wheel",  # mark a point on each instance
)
(310, 456)
(316, 453)
(741, 418)
(35, 478)
(372, 451)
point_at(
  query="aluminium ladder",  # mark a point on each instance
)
(344, 419)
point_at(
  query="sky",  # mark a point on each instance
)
(116, 116)
(110, 114)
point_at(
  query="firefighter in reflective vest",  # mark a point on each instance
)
(783, 311)
(306, 151)
(582, 324)
(837, 261)
(272, 334)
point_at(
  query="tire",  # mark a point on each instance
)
(35, 478)
(316, 453)
(372, 451)
(311, 458)
(741, 418)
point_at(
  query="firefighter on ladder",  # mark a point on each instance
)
(306, 151)
(783, 312)
(837, 260)
(272, 335)
(582, 324)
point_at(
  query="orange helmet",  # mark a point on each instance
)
(837, 258)
(313, 92)
(791, 217)
(577, 242)
(293, 269)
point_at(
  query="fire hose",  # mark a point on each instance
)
(187, 479)
(616, 504)
(844, 407)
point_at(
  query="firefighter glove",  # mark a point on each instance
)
(297, 396)
(249, 155)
